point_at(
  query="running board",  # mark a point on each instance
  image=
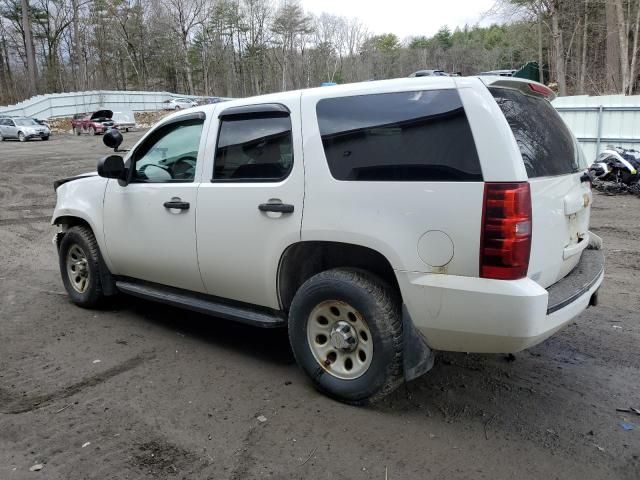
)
(243, 313)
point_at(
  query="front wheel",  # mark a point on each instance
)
(45, 138)
(92, 131)
(21, 137)
(345, 329)
(79, 259)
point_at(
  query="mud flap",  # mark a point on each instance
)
(418, 357)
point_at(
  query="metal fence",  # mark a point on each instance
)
(67, 104)
(601, 121)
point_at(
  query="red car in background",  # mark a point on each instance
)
(92, 123)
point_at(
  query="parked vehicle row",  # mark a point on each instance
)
(23, 129)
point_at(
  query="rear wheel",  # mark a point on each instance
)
(45, 138)
(22, 137)
(1, 137)
(79, 259)
(345, 329)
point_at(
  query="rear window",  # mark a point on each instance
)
(405, 136)
(545, 142)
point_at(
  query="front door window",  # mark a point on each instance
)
(170, 154)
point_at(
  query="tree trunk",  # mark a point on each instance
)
(634, 52)
(540, 55)
(29, 49)
(583, 62)
(624, 45)
(612, 69)
(558, 45)
(80, 79)
(187, 65)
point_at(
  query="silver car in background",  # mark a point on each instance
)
(179, 104)
(22, 128)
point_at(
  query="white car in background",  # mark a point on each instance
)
(124, 121)
(179, 104)
(377, 222)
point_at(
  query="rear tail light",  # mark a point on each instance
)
(505, 242)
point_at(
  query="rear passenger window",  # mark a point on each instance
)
(254, 150)
(406, 136)
(545, 141)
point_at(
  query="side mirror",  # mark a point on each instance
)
(112, 167)
(112, 139)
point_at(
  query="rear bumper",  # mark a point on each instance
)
(469, 314)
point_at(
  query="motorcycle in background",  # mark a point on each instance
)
(616, 170)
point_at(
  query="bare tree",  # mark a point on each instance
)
(30, 52)
(184, 16)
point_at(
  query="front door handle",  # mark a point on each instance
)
(177, 204)
(276, 207)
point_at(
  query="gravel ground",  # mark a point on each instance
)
(144, 391)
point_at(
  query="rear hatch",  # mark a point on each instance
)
(560, 195)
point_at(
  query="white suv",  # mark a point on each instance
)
(377, 221)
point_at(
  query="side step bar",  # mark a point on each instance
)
(243, 313)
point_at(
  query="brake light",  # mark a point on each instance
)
(541, 89)
(505, 243)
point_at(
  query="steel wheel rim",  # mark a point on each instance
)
(78, 269)
(331, 326)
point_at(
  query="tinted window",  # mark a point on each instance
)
(407, 136)
(545, 142)
(254, 149)
(170, 154)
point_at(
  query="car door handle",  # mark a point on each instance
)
(276, 207)
(177, 204)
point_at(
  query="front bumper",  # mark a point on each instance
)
(37, 135)
(469, 314)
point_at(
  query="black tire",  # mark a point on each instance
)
(83, 238)
(45, 138)
(77, 131)
(1, 138)
(92, 131)
(22, 137)
(379, 305)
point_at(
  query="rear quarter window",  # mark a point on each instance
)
(546, 144)
(405, 136)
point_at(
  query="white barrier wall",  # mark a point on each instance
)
(67, 104)
(601, 121)
(595, 121)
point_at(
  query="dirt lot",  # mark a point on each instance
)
(140, 390)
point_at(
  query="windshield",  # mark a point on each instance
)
(25, 122)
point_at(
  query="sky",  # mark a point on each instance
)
(406, 17)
